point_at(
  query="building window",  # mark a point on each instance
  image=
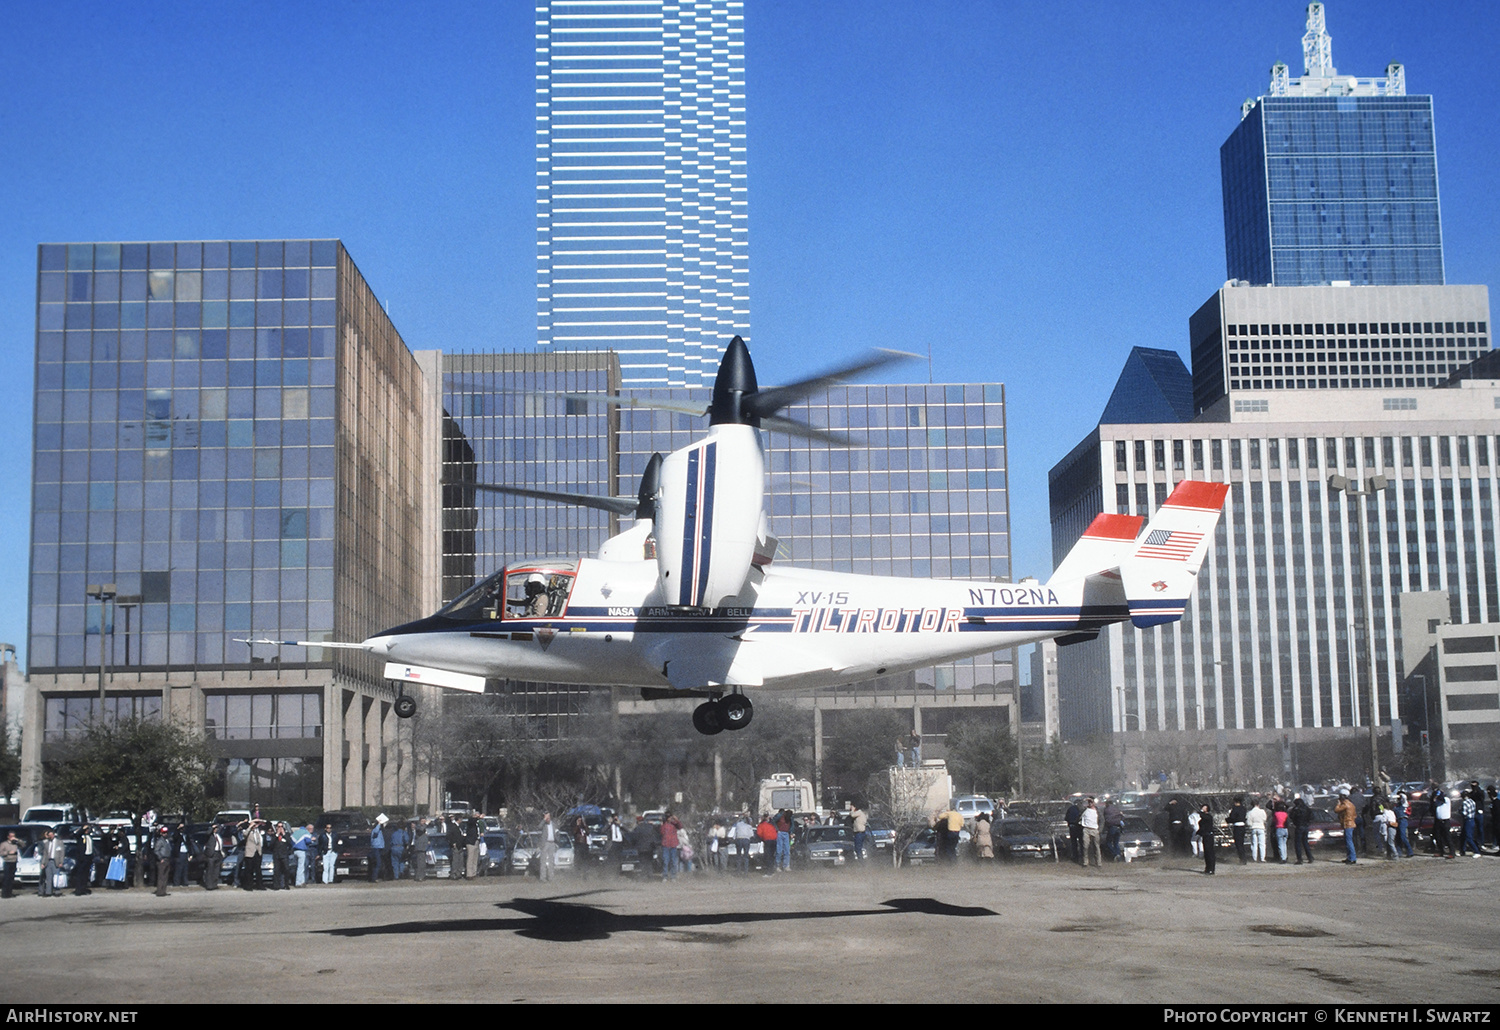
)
(69, 718)
(263, 716)
(1406, 403)
(272, 782)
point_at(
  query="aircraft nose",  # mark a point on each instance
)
(380, 644)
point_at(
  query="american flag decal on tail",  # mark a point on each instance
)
(1169, 545)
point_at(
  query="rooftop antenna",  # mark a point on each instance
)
(1317, 45)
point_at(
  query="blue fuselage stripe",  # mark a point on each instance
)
(705, 524)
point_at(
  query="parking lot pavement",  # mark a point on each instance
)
(1416, 931)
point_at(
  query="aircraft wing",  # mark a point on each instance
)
(693, 665)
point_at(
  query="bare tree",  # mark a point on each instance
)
(902, 795)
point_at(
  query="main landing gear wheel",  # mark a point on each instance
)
(735, 712)
(707, 718)
(405, 707)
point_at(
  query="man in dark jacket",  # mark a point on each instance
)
(456, 849)
(471, 847)
(1301, 820)
(281, 858)
(161, 847)
(1206, 832)
(1074, 817)
(1236, 821)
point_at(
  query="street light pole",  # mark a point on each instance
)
(104, 592)
(127, 602)
(1352, 487)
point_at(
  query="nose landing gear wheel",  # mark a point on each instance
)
(707, 718)
(735, 712)
(405, 707)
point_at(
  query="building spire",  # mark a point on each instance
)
(1317, 46)
(1319, 77)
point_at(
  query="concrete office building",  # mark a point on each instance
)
(642, 226)
(233, 439)
(1274, 648)
(1451, 676)
(1262, 341)
(1468, 693)
(1331, 178)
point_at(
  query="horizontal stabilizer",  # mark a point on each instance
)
(1161, 572)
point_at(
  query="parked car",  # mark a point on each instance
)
(825, 846)
(1137, 842)
(922, 850)
(54, 814)
(880, 839)
(439, 857)
(351, 839)
(1023, 840)
(29, 864)
(526, 855)
(970, 805)
(496, 861)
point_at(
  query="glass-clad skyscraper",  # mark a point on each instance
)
(1331, 179)
(642, 229)
(229, 434)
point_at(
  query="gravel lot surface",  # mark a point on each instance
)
(1417, 931)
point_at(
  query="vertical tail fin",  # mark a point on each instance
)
(1161, 572)
(1106, 542)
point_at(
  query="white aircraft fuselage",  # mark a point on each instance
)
(787, 628)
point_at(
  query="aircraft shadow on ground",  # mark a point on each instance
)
(563, 918)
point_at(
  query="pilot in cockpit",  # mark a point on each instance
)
(537, 601)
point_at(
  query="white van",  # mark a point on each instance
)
(54, 814)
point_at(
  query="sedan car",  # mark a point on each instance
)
(880, 836)
(526, 855)
(496, 860)
(825, 846)
(1023, 840)
(1138, 842)
(29, 864)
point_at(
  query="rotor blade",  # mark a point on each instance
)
(791, 427)
(618, 505)
(769, 401)
(649, 403)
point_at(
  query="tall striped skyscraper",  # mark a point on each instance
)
(642, 238)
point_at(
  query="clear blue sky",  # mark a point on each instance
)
(1030, 189)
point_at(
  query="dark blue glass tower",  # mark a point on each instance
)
(1333, 179)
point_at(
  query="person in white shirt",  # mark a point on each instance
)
(1255, 819)
(1090, 821)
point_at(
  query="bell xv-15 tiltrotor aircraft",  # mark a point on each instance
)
(688, 602)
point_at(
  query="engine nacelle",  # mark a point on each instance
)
(709, 516)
